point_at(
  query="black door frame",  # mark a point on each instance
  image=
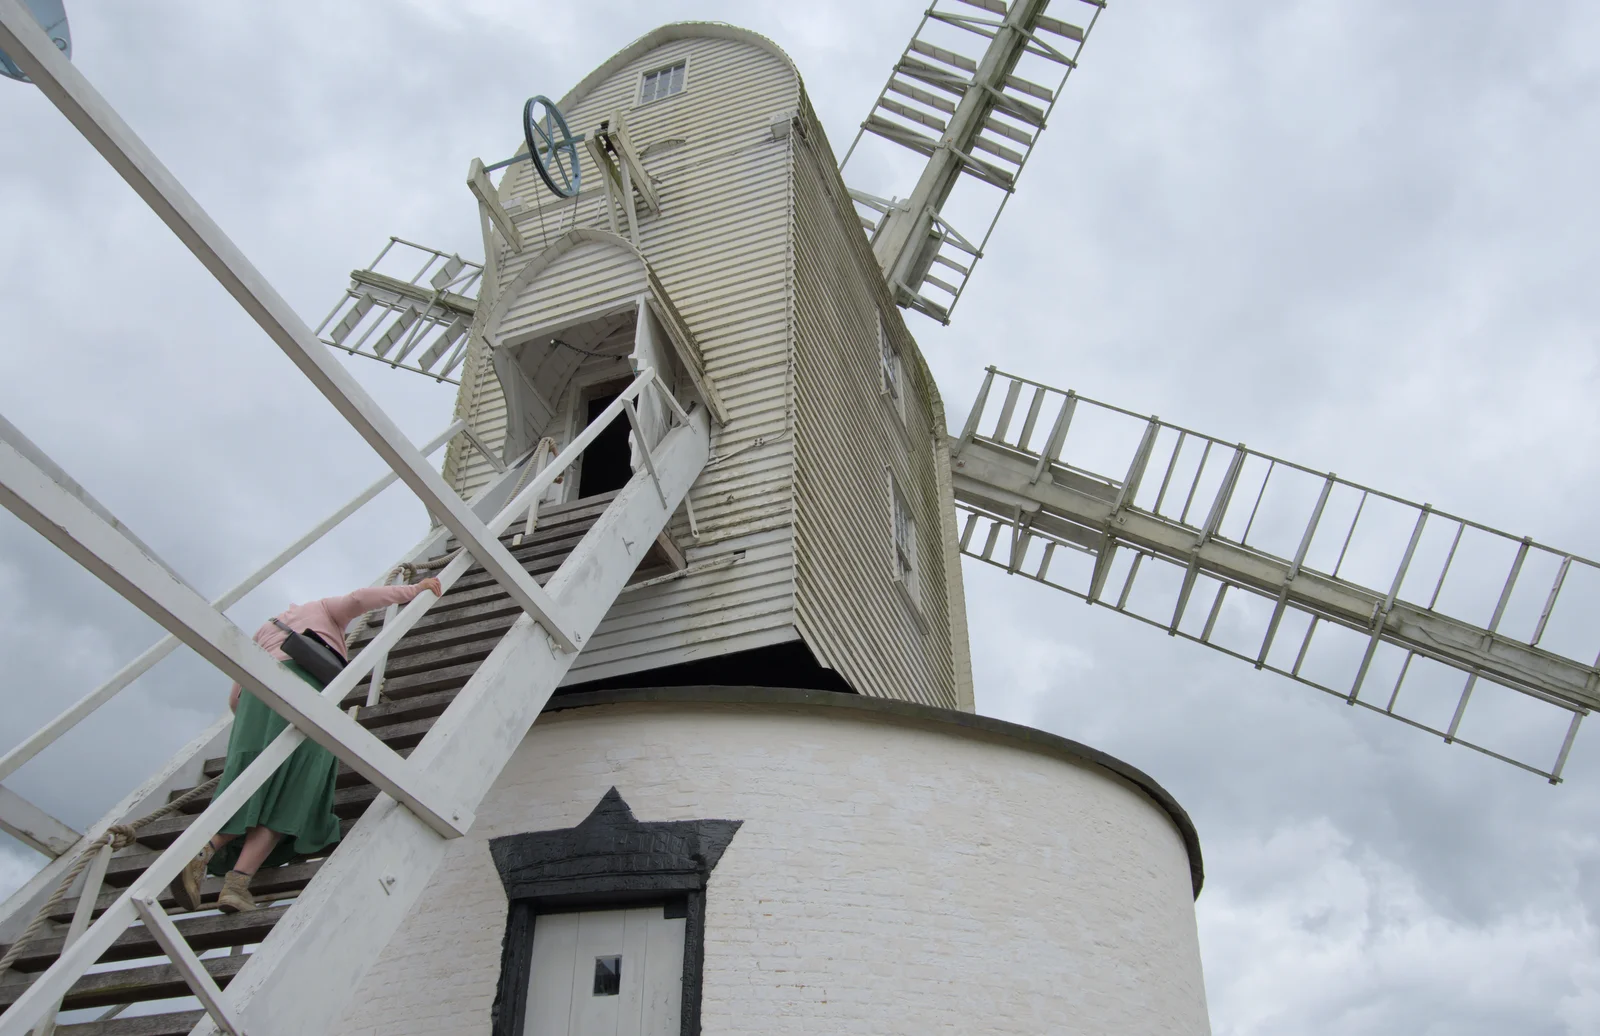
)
(609, 861)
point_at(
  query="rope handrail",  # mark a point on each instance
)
(118, 836)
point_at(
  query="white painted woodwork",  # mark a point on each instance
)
(307, 968)
(75, 713)
(180, 771)
(756, 247)
(478, 183)
(204, 987)
(890, 876)
(184, 769)
(905, 230)
(32, 826)
(650, 350)
(100, 546)
(561, 997)
(984, 470)
(89, 113)
(848, 434)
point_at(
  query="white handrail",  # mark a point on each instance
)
(541, 458)
(42, 738)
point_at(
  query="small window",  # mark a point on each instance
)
(891, 371)
(663, 82)
(905, 541)
(607, 976)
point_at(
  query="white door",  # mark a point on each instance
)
(606, 973)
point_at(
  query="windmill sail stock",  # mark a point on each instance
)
(969, 96)
(1443, 623)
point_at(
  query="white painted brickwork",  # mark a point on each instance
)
(890, 878)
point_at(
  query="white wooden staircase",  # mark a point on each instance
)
(463, 680)
(425, 672)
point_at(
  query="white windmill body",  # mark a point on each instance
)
(689, 742)
(888, 870)
(761, 305)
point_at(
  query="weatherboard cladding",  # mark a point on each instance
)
(848, 439)
(725, 250)
(720, 251)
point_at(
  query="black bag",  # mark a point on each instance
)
(311, 653)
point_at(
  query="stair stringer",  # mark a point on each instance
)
(301, 976)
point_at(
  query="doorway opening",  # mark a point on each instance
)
(608, 463)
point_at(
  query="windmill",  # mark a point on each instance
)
(700, 526)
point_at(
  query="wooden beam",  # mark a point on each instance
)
(671, 551)
(89, 539)
(33, 827)
(189, 965)
(479, 184)
(630, 158)
(445, 300)
(68, 90)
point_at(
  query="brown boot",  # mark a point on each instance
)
(186, 886)
(235, 895)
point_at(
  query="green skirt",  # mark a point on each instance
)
(296, 801)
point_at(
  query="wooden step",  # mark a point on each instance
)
(464, 624)
(405, 710)
(127, 985)
(178, 1023)
(272, 882)
(348, 804)
(347, 777)
(546, 541)
(203, 932)
(445, 678)
(426, 651)
(132, 861)
(550, 516)
(459, 597)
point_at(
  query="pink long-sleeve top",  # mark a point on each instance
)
(329, 616)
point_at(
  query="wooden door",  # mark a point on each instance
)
(606, 973)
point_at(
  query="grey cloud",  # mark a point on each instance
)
(1356, 235)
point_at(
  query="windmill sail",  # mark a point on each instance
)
(1393, 606)
(969, 94)
(414, 321)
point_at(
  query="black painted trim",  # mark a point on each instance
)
(907, 712)
(609, 860)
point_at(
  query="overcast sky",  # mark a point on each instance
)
(1360, 235)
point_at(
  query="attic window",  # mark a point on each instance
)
(663, 82)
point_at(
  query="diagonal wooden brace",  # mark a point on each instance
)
(68, 90)
(91, 540)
